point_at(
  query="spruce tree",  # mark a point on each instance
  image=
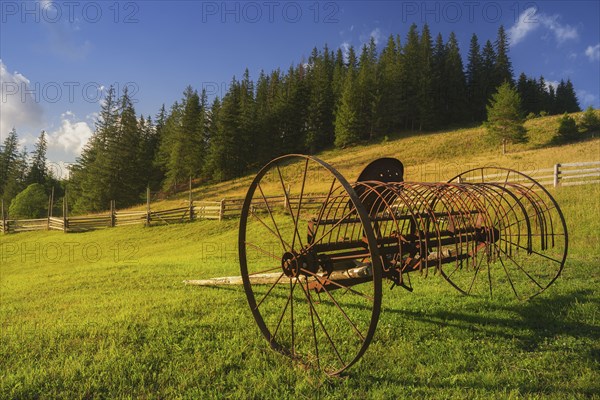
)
(426, 112)
(320, 107)
(505, 119)
(389, 114)
(503, 67)
(92, 179)
(411, 60)
(337, 82)
(440, 86)
(347, 126)
(488, 72)
(17, 177)
(247, 124)
(455, 83)
(224, 161)
(8, 156)
(367, 91)
(476, 84)
(38, 172)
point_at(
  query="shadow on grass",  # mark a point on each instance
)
(538, 319)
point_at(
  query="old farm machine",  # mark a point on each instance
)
(314, 249)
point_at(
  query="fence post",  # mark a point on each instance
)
(148, 206)
(4, 227)
(65, 214)
(556, 174)
(286, 197)
(191, 200)
(50, 205)
(112, 214)
(222, 209)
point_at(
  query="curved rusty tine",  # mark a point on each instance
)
(382, 196)
(455, 202)
(472, 199)
(535, 201)
(409, 195)
(429, 194)
(495, 199)
(525, 215)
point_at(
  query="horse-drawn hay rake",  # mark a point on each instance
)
(313, 274)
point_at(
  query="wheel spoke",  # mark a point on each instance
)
(360, 336)
(475, 276)
(325, 330)
(269, 291)
(287, 303)
(532, 251)
(522, 269)
(289, 207)
(272, 217)
(300, 207)
(278, 235)
(260, 249)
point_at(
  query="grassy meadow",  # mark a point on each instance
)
(105, 314)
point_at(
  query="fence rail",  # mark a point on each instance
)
(567, 174)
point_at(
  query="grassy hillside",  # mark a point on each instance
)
(105, 314)
(433, 156)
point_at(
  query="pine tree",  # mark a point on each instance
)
(247, 124)
(224, 161)
(389, 114)
(92, 179)
(337, 83)
(126, 156)
(411, 57)
(439, 82)
(503, 67)
(426, 112)
(571, 102)
(488, 73)
(590, 120)
(476, 92)
(8, 156)
(367, 91)
(455, 82)
(566, 99)
(292, 110)
(17, 177)
(505, 119)
(38, 172)
(320, 107)
(567, 129)
(347, 126)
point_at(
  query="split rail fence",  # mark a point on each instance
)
(567, 174)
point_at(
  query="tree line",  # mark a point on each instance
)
(331, 99)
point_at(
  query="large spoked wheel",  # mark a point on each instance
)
(530, 239)
(295, 210)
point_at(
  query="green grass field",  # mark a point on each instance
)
(105, 314)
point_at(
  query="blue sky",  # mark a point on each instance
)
(58, 58)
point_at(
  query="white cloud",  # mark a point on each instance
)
(554, 84)
(61, 38)
(375, 34)
(345, 46)
(587, 99)
(71, 136)
(19, 108)
(531, 19)
(593, 52)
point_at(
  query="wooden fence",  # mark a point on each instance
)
(567, 174)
